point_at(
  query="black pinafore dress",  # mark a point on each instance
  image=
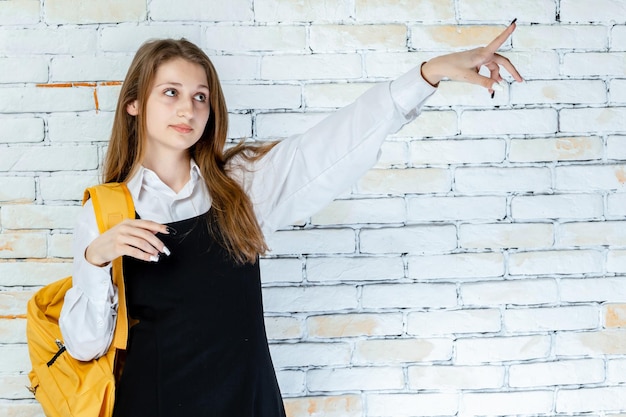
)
(200, 347)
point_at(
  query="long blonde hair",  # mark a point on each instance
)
(237, 227)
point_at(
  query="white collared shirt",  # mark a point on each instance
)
(298, 177)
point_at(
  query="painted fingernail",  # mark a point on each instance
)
(166, 251)
(171, 230)
(493, 93)
(154, 258)
(497, 87)
(514, 20)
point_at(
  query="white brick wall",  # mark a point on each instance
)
(478, 269)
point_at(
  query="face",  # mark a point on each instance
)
(177, 107)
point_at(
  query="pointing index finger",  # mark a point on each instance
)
(495, 44)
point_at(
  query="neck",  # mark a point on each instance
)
(172, 169)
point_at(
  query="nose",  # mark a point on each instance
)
(185, 108)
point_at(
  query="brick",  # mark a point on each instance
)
(255, 38)
(511, 292)
(128, 38)
(21, 129)
(509, 122)
(273, 126)
(475, 351)
(557, 206)
(598, 120)
(236, 67)
(555, 262)
(562, 372)
(615, 148)
(452, 37)
(550, 319)
(107, 97)
(39, 217)
(429, 208)
(49, 158)
(560, 37)
(530, 179)
(408, 239)
(17, 190)
(12, 388)
(303, 11)
(605, 342)
(41, 41)
(351, 325)
(454, 93)
(76, 11)
(66, 187)
(616, 261)
(616, 371)
(12, 330)
(604, 64)
(379, 351)
(60, 245)
(281, 270)
(342, 212)
(199, 10)
(84, 128)
(352, 379)
(404, 181)
(581, 11)
(279, 328)
(617, 92)
(536, 11)
(456, 266)
(390, 65)
(312, 241)
(20, 12)
(333, 96)
(21, 409)
(32, 273)
(331, 406)
(392, 155)
(592, 289)
(411, 405)
(23, 69)
(440, 323)
(291, 382)
(354, 269)
(409, 295)
(535, 63)
(436, 152)
(590, 177)
(556, 149)
(618, 38)
(310, 354)
(398, 10)
(616, 204)
(34, 100)
(430, 124)
(454, 378)
(88, 68)
(507, 403)
(614, 315)
(592, 234)
(591, 399)
(22, 245)
(14, 302)
(350, 38)
(300, 299)
(506, 235)
(311, 67)
(239, 126)
(241, 97)
(559, 91)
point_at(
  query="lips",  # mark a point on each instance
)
(182, 128)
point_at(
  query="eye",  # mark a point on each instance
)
(170, 92)
(201, 97)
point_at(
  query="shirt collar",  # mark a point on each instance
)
(146, 178)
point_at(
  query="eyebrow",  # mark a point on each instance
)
(180, 84)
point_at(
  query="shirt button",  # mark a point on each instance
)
(100, 323)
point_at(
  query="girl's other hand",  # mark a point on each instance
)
(464, 66)
(132, 237)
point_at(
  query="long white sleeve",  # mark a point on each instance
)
(294, 180)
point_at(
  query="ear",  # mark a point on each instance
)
(132, 108)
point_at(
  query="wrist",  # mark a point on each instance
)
(429, 75)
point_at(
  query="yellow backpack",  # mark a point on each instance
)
(67, 387)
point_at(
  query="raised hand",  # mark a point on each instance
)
(464, 66)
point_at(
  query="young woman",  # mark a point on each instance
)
(190, 257)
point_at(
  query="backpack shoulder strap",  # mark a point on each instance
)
(112, 203)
